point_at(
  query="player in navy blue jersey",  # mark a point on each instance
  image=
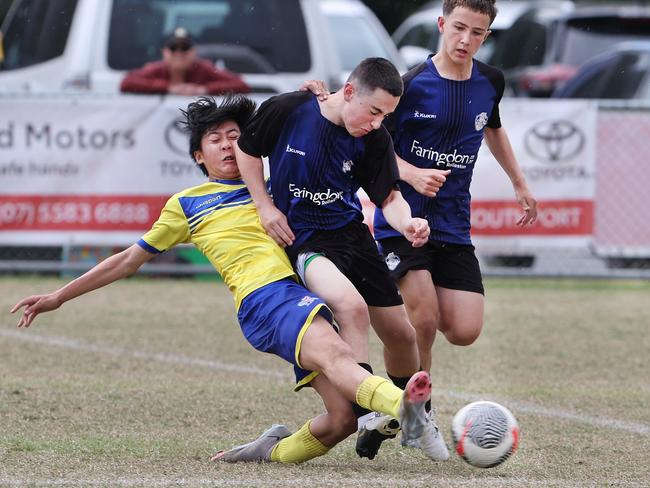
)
(320, 153)
(450, 103)
(276, 314)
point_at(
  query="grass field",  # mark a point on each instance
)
(137, 384)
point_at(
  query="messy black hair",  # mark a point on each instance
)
(204, 114)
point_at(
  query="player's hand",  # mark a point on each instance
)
(426, 181)
(275, 224)
(33, 306)
(417, 231)
(529, 206)
(317, 87)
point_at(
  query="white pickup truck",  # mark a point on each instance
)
(88, 45)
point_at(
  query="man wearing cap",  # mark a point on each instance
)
(181, 72)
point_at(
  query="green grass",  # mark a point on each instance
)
(110, 390)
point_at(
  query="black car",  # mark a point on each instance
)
(620, 73)
(544, 47)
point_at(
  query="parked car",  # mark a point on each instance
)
(544, 48)
(418, 35)
(87, 45)
(621, 73)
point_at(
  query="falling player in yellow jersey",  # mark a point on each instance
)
(276, 314)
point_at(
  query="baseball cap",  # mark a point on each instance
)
(180, 39)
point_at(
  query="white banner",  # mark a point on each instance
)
(97, 170)
(554, 142)
(89, 170)
(122, 145)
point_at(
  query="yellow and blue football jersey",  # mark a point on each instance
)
(220, 219)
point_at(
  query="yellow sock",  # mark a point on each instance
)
(299, 447)
(379, 394)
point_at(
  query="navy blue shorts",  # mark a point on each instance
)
(353, 250)
(274, 319)
(452, 266)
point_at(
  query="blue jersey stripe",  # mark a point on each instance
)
(193, 206)
(150, 249)
(200, 218)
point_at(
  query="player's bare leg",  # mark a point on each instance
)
(398, 336)
(324, 279)
(461, 315)
(421, 302)
(323, 350)
(401, 358)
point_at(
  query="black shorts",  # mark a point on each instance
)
(354, 252)
(452, 266)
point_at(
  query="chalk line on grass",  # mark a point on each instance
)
(63, 342)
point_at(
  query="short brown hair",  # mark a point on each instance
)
(486, 7)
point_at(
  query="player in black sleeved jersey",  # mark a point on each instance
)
(277, 315)
(320, 153)
(450, 103)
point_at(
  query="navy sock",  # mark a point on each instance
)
(399, 381)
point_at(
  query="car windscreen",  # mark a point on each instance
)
(524, 44)
(355, 39)
(36, 32)
(424, 35)
(586, 37)
(246, 36)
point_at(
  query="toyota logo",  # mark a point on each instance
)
(176, 138)
(554, 141)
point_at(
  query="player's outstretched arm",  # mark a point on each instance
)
(116, 267)
(499, 145)
(272, 219)
(398, 214)
(426, 181)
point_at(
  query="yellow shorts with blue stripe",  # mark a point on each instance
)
(274, 319)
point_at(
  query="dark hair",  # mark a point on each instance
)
(373, 73)
(486, 7)
(204, 114)
(179, 39)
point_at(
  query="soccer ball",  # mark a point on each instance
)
(485, 433)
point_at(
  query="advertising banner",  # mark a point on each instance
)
(81, 169)
(555, 145)
(97, 170)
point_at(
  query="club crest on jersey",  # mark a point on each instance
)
(306, 300)
(392, 261)
(480, 121)
(347, 165)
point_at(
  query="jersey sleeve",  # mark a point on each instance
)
(498, 83)
(170, 229)
(377, 171)
(263, 131)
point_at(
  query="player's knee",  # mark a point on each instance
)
(426, 325)
(426, 333)
(421, 311)
(352, 311)
(404, 334)
(463, 337)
